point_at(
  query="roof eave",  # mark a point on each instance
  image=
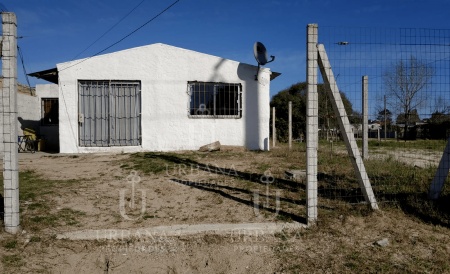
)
(50, 75)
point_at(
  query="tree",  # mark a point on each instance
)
(439, 117)
(381, 117)
(441, 105)
(438, 125)
(405, 84)
(412, 118)
(297, 94)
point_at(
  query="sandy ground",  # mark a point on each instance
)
(101, 179)
(100, 182)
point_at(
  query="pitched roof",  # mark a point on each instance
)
(51, 75)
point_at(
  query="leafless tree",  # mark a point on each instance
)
(441, 105)
(405, 84)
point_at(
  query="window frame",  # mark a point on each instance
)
(214, 89)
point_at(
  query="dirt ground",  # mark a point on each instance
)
(101, 191)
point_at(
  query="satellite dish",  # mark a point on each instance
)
(260, 52)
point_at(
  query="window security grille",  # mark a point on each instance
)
(109, 113)
(214, 100)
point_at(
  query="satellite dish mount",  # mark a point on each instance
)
(260, 52)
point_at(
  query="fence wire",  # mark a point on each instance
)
(408, 115)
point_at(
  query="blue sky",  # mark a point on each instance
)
(56, 31)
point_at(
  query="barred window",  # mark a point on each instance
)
(214, 100)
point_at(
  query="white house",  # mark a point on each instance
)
(160, 98)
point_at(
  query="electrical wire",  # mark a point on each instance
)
(125, 37)
(24, 69)
(3, 8)
(128, 35)
(111, 28)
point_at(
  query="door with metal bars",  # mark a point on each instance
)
(109, 113)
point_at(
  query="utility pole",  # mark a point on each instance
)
(8, 129)
(385, 118)
(290, 124)
(365, 117)
(274, 134)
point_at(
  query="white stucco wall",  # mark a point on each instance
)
(164, 72)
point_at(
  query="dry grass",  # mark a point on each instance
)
(343, 240)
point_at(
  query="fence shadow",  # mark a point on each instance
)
(412, 203)
(219, 189)
(252, 177)
(333, 187)
(233, 193)
(328, 186)
(418, 205)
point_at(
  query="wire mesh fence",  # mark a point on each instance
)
(408, 72)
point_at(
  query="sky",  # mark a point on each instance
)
(56, 31)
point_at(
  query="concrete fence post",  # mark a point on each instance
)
(365, 117)
(312, 122)
(9, 123)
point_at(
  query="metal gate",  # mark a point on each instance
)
(109, 113)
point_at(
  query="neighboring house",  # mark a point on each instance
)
(356, 129)
(160, 98)
(36, 110)
(374, 126)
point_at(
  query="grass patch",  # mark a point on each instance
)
(434, 145)
(33, 186)
(10, 261)
(177, 163)
(36, 202)
(37, 206)
(35, 239)
(10, 244)
(65, 216)
(69, 216)
(155, 163)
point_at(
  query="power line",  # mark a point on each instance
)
(126, 36)
(3, 8)
(111, 28)
(24, 69)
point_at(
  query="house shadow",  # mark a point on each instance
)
(29, 124)
(50, 134)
